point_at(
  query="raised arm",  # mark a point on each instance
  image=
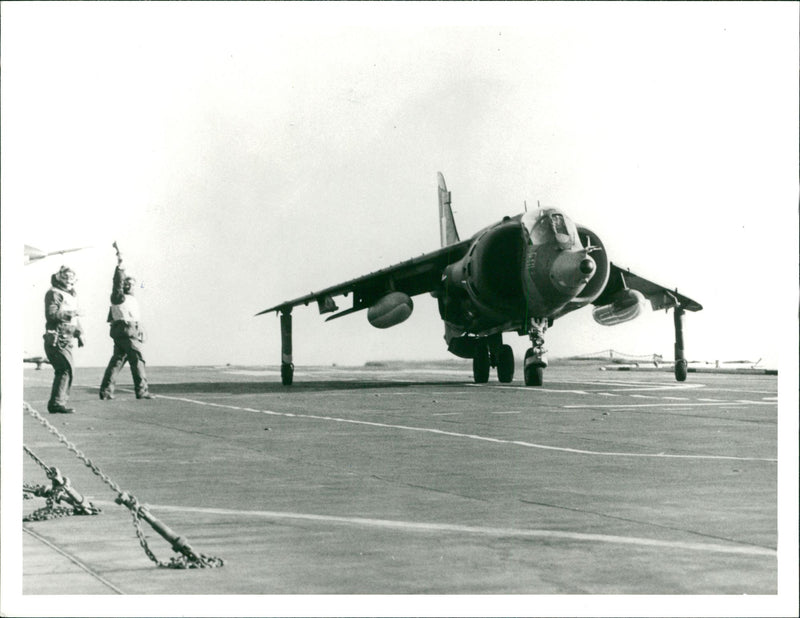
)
(117, 292)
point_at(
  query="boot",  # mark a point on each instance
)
(59, 409)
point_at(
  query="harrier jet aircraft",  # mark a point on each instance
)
(518, 275)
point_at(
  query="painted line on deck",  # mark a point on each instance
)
(666, 404)
(612, 392)
(665, 387)
(411, 526)
(78, 563)
(538, 390)
(454, 434)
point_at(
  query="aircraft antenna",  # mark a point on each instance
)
(526, 205)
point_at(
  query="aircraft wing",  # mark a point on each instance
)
(415, 276)
(32, 253)
(659, 296)
(38, 360)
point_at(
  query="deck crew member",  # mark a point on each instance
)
(62, 328)
(127, 333)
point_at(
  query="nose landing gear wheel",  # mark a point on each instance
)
(533, 369)
(535, 360)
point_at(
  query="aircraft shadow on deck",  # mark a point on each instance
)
(252, 388)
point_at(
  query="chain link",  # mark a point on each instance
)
(72, 448)
(187, 558)
(49, 511)
(33, 456)
(137, 524)
(60, 491)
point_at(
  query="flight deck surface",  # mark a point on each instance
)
(410, 479)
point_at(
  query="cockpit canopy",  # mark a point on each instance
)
(547, 224)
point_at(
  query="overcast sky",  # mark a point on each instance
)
(243, 154)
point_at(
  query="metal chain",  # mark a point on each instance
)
(178, 562)
(60, 491)
(73, 448)
(137, 524)
(49, 511)
(42, 465)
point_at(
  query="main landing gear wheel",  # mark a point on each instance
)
(505, 364)
(481, 364)
(287, 373)
(533, 369)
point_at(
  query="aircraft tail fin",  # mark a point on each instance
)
(447, 225)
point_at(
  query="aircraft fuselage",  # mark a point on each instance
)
(536, 265)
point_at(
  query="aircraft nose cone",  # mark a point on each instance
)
(587, 266)
(571, 271)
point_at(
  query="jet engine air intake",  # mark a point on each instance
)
(390, 310)
(599, 279)
(627, 305)
(493, 266)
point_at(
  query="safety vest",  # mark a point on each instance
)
(68, 303)
(127, 311)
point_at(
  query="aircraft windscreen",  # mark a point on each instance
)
(547, 225)
(532, 220)
(558, 223)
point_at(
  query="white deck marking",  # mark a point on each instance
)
(477, 530)
(73, 559)
(663, 387)
(666, 404)
(454, 434)
(549, 391)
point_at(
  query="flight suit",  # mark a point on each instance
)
(62, 328)
(128, 336)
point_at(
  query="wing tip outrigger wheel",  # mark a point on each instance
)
(681, 365)
(287, 366)
(287, 374)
